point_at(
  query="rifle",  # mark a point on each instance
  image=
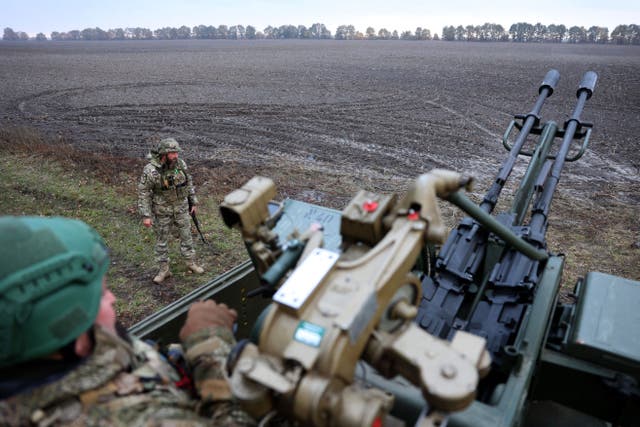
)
(197, 223)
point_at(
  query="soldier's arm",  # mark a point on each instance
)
(207, 340)
(145, 193)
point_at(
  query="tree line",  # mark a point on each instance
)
(521, 32)
(524, 32)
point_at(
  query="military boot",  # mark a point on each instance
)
(191, 265)
(163, 273)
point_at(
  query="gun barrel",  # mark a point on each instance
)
(543, 204)
(505, 233)
(545, 90)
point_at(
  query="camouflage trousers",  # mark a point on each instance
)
(165, 221)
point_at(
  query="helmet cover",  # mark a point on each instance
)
(168, 145)
(51, 272)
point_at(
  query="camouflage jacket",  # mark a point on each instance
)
(161, 189)
(123, 384)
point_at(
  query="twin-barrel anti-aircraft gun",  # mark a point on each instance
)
(378, 316)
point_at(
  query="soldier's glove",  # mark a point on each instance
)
(207, 314)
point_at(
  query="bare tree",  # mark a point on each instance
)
(556, 33)
(345, 32)
(10, 35)
(577, 35)
(250, 32)
(320, 31)
(384, 34)
(449, 33)
(183, 32)
(223, 32)
(304, 32)
(626, 34)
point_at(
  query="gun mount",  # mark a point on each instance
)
(552, 363)
(335, 309)
(481, 273)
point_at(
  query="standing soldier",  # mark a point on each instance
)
(166, 198)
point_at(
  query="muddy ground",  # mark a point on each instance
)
(339, 114)
(371, 110)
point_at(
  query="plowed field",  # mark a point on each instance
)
(373, 114)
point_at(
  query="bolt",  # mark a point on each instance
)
(448, 371)
(245, 365)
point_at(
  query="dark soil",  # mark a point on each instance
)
(325, 117)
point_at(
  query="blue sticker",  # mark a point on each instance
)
(309, 334)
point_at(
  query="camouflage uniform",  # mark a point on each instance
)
(123, 384)
(164, 194)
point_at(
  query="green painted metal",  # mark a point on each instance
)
(605, 327)
(300, 216)
(586, 387)
(463, 202)
(577, 156)
(565, 361)
(231, 287)
(508, 409)
(495, 250)
(286, 262)
(523, 196)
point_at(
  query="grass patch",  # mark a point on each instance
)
(603, 237)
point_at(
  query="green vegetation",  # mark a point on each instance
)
(594, 238)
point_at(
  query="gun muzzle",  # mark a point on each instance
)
(550, 81)
(588, 83)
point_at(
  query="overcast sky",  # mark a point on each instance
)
(34, 16)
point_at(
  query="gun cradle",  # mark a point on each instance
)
(447, 372)
(335, 310)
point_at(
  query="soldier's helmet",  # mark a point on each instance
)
(51, 272)
(168, 145)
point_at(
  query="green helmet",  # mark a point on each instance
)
(168, 145)
(51, 272)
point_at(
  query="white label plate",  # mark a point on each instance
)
(304, 279)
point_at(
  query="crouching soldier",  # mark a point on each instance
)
(166, 198)
(64, 360)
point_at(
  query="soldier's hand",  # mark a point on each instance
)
(193, 210)
(205, 314)
(147, 222)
